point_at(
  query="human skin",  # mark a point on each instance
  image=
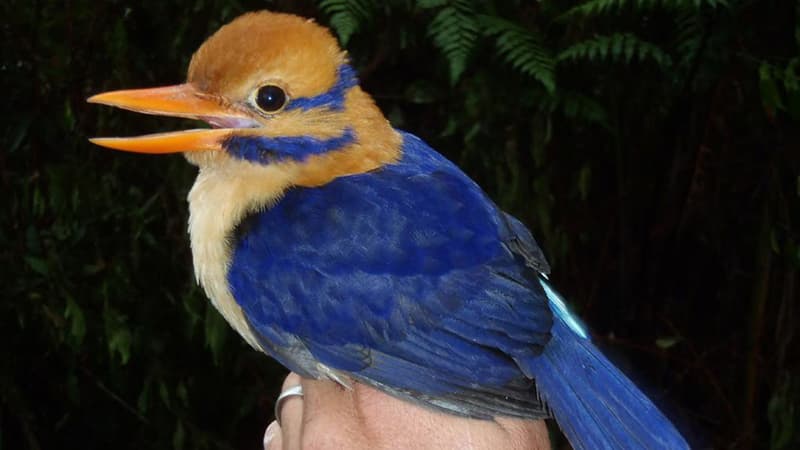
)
(331, 417)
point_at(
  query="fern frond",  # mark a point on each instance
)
(694, 4)
(593, 8)
(616, 47)
(347, 16)
(523, 49)
(688, 37)
(428, 4)
(454, 30)
(574, 105)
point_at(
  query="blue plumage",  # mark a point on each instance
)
(410, 279)
(266, 150)
(595, 405)
(399, 271)
(332, 98)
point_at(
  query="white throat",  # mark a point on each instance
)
(221, 197)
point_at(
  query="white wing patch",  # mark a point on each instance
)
(560, 310)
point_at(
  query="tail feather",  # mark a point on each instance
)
(594, 403)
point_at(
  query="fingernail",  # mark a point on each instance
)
(269, 434)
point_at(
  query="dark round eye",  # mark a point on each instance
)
(270, 98)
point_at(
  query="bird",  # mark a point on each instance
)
(351, 251)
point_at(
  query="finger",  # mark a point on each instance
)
(331, 419)
(291, 420)
(272, 437)
(328, 399)
(525, 434)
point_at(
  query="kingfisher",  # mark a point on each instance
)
(352, 251)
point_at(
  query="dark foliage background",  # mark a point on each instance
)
(652, 146)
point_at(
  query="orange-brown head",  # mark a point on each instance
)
(279, 91)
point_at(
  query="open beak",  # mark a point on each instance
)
(183, 100)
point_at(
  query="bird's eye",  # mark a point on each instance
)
(270, 98)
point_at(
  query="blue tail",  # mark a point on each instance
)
(595, 405)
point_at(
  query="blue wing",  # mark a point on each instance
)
(407, 278)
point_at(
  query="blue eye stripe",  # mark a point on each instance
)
(266, 150)
(334, 98)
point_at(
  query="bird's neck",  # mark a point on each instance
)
(375, 144)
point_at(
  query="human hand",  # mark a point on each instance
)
(328, 416)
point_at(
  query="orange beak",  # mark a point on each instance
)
(183, 100)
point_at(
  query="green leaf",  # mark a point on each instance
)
(770, 96)
(429, 4)
(667, 342)
(179, 436)
(584, 181)
(163, 393)
(347, 16)
(523, 49)
(120, 344)
(574, 105)
(782, 413)
(74, 314)
(73, 389)
(791, 85)
(454, 30)
(69, 116)
(595, 8)
(773, 242)
(618, 47)
(182, 393)
(38, 265)
(143, 401)
(216, 332)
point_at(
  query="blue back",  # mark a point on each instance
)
(403, 274)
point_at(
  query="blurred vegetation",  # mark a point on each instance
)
(652, 146)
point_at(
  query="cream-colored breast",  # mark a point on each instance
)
(220, 198)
